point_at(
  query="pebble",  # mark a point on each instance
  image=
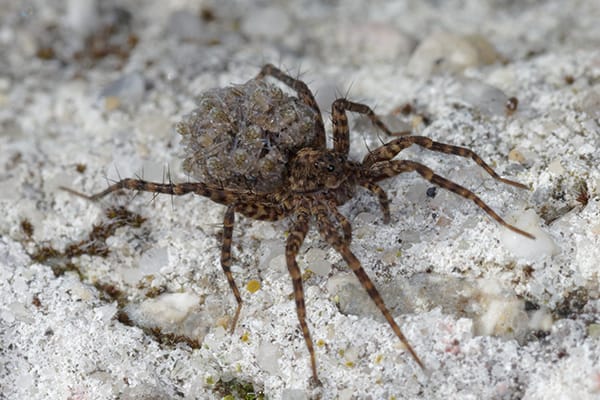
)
(178, 313)
(590, 103)
(316, 261)
(486, 98)
(128, 89)
(82, 16)
(499, 312)
(266, 22)
(153, 260)
(169, 308)
(267, 355)
(186, 26)
(542, 246)
(556, 167)
(521, 155)
(294, 394)
(448, 52)
(374, 41)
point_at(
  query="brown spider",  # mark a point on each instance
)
(316, 182)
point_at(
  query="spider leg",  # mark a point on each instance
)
(294, 241)
(304, 93)
(392, 148)
(341, 132)
(384, 202)
(228, 221)
(341, 219)
(391, 168)
(328, 232)
(261, 211)
(221, 196)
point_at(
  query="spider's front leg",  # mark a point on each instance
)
(392, 148)
(341, 131)
(391, 168)
(384, 201)
(304, 93)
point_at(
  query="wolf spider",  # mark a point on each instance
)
(319, 180)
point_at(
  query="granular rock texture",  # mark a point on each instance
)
(242, 136)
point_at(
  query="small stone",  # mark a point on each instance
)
(486, 98)
(556, 167)
(82, 16)
(177, 313)
(590, 103)
(540, 320)
(346, 394)
(267, 357)
(278, 262)
(186, 26)
(501, 318)
(520, 155)
(501, 313)
(374, 41)
(321, 268)
(153, 260)
(170, 307)
(294, 394)
(107, 312)
(447, 52)
(316, 261)
(129, 89)
(542, 246)
(594, 330)
(111, 103)
(266, 22)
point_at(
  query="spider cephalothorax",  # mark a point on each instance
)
(319, 170)
(263, 154)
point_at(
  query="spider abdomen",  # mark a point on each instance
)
(242, 136)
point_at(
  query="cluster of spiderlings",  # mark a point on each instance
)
(241, 137)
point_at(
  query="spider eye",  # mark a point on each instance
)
(330, 168)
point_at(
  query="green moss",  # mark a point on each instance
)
(237, 390)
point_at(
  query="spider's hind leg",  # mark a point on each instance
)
(294, 241)
(228, 221)
(218, 195)
(328, 232)
(140, 186)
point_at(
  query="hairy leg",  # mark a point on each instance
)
(391, 149)
(328, 232)
(221, 196)
(294, 241)
(341, 131)
(304, 94)
(384, 202)
(262, 211)
(228, 221)
(344, 223)
(391, 168)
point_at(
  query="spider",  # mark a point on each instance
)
(316, 181)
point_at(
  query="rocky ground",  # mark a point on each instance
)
(125, 298)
